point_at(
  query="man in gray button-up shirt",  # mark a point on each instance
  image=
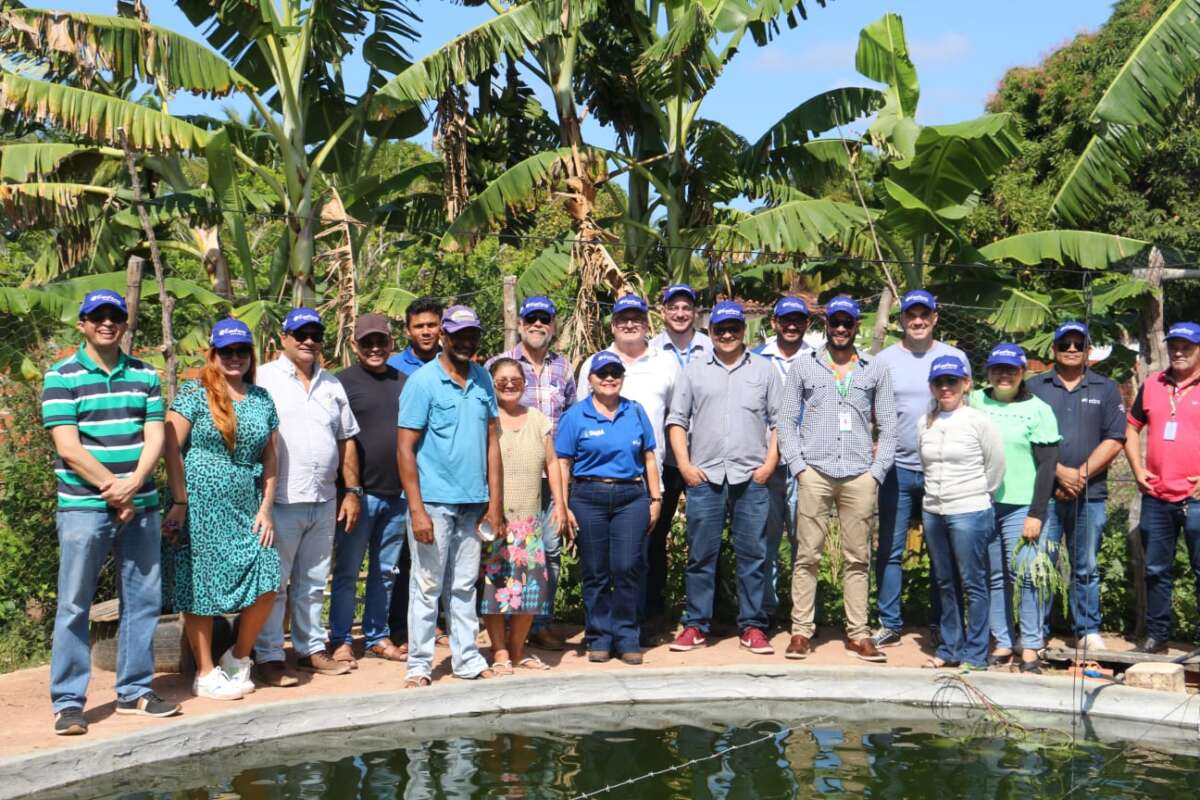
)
(727, 403)
(845, 397)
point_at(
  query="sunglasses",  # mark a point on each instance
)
(538, 316)
(609, 374)
(1068, 345)
(509, 382)
(721, 331)
(309, 336)
(100, 317)
(945, 382)
(235, 351)
(842, 324)
(375, 342)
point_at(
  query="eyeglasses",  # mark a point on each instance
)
(518, 382)
(106, 315)
(538, 317)
(235, 351)
(609, 375)
(308, 336)
(731, 331)
(1067, 345)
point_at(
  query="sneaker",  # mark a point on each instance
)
(885, 637)
(216, 686)
(1151, 646)
(756, 642)
(690, 639)
(238, 671)
(1092, 642)
(70, 722)
(148, 705)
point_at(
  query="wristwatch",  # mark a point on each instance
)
(357, 491)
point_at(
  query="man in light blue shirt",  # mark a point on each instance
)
(449, 453)
(903, 490)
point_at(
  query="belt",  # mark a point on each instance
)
(590, 479)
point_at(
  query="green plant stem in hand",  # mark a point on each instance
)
(1040, 571)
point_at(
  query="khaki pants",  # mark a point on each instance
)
(855, 499)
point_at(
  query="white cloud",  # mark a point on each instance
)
(949, 48)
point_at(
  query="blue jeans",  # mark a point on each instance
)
(709, 505)
(1083, 524)
(1161, 524)
(304, 539)
(85, 538)
(900, 499)
(612, 532)
(1010, 521)
(958, 543)
(552, 542)
(781, 516)
(380, 534)
(446, 569)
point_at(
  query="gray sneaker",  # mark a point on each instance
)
(70, 722)
(885, 637)
(148, 705)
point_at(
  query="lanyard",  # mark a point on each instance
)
(843, 384)
(782, 365)
(684, 358)
(1178, 394)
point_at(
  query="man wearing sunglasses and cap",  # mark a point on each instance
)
(105, 413)
(316, 440)
(1091, 419)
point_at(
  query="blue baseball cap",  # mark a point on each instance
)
(1007, 353)
(1070, 327)
(790, 305)
(630, 302)
(297, 318)
(918, 297)
(605, 358)
(460, 318)
(1188, 331)
(678, 288)
(538, 303)
(101, 298)
(842, 304)
(943, 366)
(230, 331)
(726, 311)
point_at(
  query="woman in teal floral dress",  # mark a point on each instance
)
(220, 457)
(514, 565)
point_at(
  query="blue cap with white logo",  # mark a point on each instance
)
(678, 288)
(1007, 354)
(297, 318)
(918, 297)
(842, 304)
(230, 331)
(605, 358)
(726, 311)
(1070, 327)
(790, 305)
(101, 298)
(947, 366)
(538, 303)
(630, 302)
(1188, 331)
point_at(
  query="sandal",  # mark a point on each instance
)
(388, 651)
(1000, 659)
(417, 682)
(938, 663)
(483, 675)
(1032, 667)
(534, 663)
(502, 667)
(442, 639)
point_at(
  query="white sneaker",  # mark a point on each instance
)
(1092, 642)
(216, 686)
(238, 671)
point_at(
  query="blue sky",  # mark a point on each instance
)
(961, 49)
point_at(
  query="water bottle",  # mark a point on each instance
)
(485, 531)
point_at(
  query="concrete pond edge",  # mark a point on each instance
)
(1121, 712)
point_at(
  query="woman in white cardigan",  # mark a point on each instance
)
(963, 457)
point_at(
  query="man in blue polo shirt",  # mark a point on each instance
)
(449, 453)
(423, 327)
(1091, 419)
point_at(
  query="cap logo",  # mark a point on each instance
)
(112, 298)
(1006, 352)
(462, 315)
(231, 331)
(306, 318)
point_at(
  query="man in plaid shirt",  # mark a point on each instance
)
(845, 397)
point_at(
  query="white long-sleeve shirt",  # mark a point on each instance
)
(963, 457)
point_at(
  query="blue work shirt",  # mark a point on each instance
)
(603, 447)
(406, 361)
(1087, 415)
(453, 421)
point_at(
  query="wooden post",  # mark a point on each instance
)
(510, 312)
(135, 266)
(879, 333)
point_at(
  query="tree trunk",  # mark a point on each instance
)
(510, 312)
(881, 320)
(135, 266)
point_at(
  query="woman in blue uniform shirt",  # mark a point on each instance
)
(605, 445)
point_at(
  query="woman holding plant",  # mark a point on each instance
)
(1016, 551)
(962, 455)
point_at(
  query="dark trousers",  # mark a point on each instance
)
(612, 530)
(654, 595)
(398, 607)
(1160, 526)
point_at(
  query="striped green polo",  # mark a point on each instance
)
(111, 411)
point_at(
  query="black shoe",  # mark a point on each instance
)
(1032, 667)
(1151, 646)
(935, 636)
(70, 722)
(598, 656)
(148, 705)
(885, 637)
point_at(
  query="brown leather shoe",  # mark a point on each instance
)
(865, 649)
(632, 659)
(276, 673)
(322, 665)
(345, 653)
(798, 647)
(546, 639)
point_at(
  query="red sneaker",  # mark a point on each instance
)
(690, 639)
(755, 641)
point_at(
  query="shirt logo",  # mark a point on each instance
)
(1090, 400)
(594, 433)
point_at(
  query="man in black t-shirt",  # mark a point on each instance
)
(373, 388)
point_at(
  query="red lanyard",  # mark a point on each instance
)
(1178, 394)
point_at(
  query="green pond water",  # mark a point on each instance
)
(770, 759)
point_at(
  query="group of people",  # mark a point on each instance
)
(461, 483)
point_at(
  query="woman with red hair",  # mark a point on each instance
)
(220, 457)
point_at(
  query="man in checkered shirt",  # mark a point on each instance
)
(831, 451)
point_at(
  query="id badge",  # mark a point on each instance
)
(1169, 430)
(844, 421)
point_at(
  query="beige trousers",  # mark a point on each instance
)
(855, 500)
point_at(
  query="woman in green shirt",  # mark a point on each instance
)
(1030, 433)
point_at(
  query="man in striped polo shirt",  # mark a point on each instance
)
(105, 413)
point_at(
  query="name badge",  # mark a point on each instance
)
(1169, 430)
(844, 421)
